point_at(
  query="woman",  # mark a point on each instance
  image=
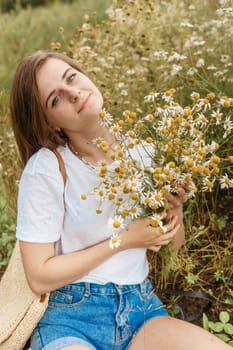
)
(100, 297)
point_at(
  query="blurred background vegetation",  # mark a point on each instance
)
(27, 26)
(130, 50)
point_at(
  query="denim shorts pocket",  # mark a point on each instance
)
(148, 293)
(65, 298)
(150, 299)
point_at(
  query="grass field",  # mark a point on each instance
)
(35, 28)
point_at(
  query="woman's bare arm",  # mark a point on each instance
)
(46, 272)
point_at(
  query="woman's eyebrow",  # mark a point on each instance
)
(52, 92)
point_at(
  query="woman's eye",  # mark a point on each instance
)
(72, 77)
(55, 101)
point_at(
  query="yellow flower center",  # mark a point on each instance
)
(102, 115)
(116, 224)
(134, 196)
(125, 212)
(149, 139)
(134, 210)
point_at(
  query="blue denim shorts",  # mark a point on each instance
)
(102, 317)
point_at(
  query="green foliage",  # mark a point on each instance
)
(7, 234)
(7, 227)
(31, 29)
(9, 5)
(163, 45)
(9, 173)
(16, 5)
(223, 328)
(9, 159)
(219, 222)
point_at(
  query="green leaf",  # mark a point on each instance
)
(228, 328)
(224, 316)
(230, 343)
(216, 326)
(205, 322)
(223, 337)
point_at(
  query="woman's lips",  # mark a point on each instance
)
(84, 103)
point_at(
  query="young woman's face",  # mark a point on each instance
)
(70, 99)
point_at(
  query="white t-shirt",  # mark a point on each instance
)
(49, 213)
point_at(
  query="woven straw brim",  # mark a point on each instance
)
(21, 309)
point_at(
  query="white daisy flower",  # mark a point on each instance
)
(149, 118)
(117, 223)
(211, 67)
(115, 241)
(115, 129)
(151, 97)
(176, 57)
(217, 116)
(200, 63)
(97, 141)
(226, 182)
(105, 118)
(228, 124)
(135, 212)
(158, 199)
(191, 71)
(124, 92)
(176, 68)
(157, 221)
(135, 182)
(161, 55)
(208, 184)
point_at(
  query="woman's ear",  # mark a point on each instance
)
(61, 133)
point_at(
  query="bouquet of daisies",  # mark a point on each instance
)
(157, 152)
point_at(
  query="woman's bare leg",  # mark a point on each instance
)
(167, 333)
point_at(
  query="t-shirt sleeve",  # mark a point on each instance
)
(40, 201)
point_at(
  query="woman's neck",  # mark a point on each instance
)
(85, 146)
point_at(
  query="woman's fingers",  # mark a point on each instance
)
(171, 224)
(182, 194)
(155, 248)
(146, 235)
(177, 200)
(164, 239)
(174, 201)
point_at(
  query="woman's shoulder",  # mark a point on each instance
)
(44, 161)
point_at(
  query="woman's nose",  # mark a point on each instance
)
(73, 94)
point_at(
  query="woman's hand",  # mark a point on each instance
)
(175, 207)
(176, 201)
(140, 234)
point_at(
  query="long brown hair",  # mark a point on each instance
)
(29, 121)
